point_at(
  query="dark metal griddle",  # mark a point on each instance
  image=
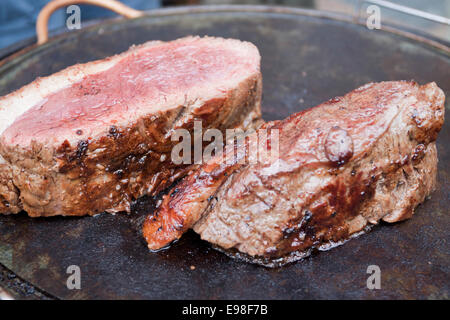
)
(307, 57)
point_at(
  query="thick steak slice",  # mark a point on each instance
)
(96, 136)
(342, 166)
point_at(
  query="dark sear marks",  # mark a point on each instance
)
(95, 137)
(344, 166)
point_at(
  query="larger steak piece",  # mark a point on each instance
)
(343, 166)
(96, 136)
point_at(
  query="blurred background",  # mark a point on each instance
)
(18, 17)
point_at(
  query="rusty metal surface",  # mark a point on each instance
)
(306, 59)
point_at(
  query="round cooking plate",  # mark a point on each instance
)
(307, 58)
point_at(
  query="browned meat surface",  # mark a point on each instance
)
(96, 136)
(343, 165)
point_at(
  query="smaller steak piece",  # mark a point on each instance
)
(96, 136)
(343, 165)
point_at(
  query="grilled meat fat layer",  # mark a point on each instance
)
(343, 165)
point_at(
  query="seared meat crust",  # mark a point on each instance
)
(114, 155)
(344, 165)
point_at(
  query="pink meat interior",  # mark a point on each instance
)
(152, 79)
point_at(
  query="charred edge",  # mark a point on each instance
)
(82, 147)
(331, 215)
(131, 162)
(261, 260)
(119, 173)
(114, 133)
(72, 158)
(77, 155)
(418, 153)
(297, 255)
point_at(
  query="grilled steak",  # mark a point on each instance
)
(343, 166)
(96, 136)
